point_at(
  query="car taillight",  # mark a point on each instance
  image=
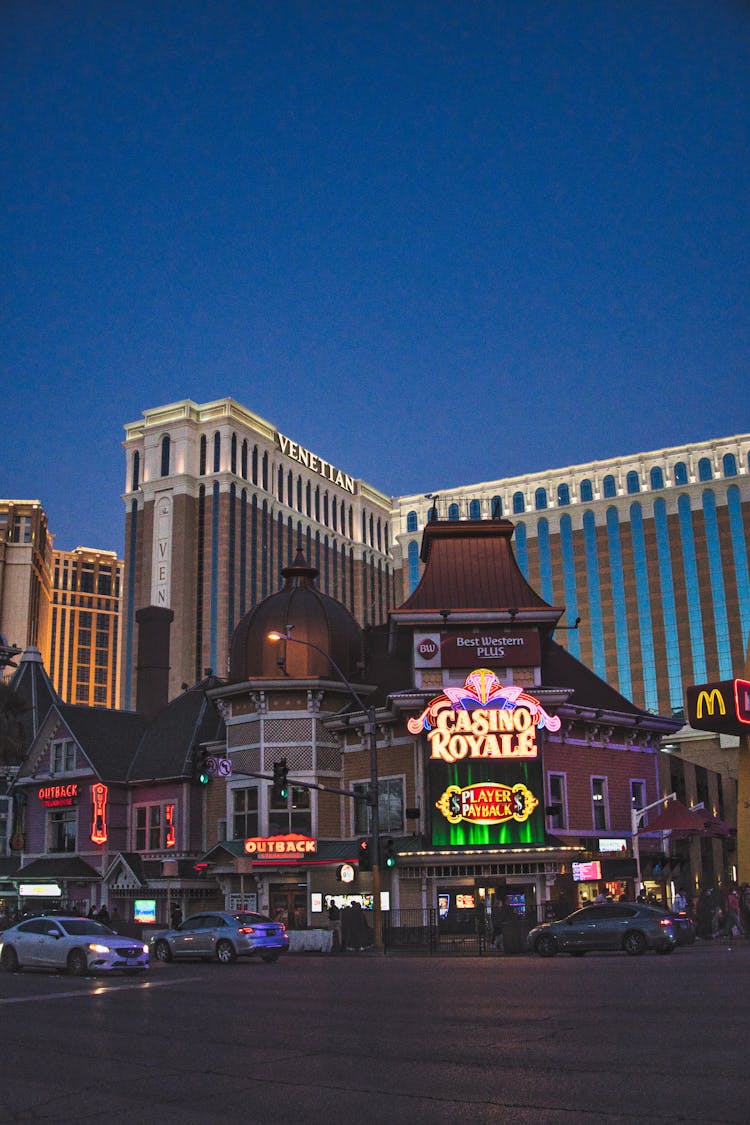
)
(665, 921)
(245, 929)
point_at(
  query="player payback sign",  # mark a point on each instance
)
(484, 763)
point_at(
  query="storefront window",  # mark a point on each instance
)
(245, 813)
(291, 814)
(62, 831)
(390, 806)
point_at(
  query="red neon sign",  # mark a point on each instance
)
(99, 823)
(171, 839)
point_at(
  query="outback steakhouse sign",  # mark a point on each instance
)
(55, 795)
(272, 847)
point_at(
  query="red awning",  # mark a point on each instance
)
(679, 820)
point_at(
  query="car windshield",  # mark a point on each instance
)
(77, 927)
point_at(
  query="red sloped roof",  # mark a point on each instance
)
(470, 565)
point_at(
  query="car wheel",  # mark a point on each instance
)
(162, 951)
(225, 952)
(634, 943)
(546, 946)
(77, 963)
(10, 961)
(269, 958)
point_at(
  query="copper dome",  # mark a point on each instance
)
(313, 617)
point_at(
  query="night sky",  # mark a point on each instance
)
(435, 243)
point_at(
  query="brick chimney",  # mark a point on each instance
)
(152, 670)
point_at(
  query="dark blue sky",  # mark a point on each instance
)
(436, 243)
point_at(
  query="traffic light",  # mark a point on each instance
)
(365, 859)
(200, 767)
(280, 790)
(389, 853)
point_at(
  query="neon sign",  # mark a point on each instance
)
(487, 803)
(266, 847)
(171, 838)
(99, 825)
(52, 796)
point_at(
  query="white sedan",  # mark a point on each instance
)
(78, 945)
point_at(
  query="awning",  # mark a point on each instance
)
(680, 821)
(67, 868)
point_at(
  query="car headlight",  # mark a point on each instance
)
(144, 948)
(95, 948)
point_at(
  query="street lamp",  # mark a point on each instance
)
(371, 732)
(636, 816)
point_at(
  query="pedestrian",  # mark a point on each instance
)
(103, 915)
(601, 897)
(744, 897)
(730, 926)
(679, 902)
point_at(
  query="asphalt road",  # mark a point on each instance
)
(360, 1039)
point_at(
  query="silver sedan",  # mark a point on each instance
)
(78, 945)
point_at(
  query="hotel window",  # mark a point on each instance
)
(62, 830)
(587, 492)
(632, 482)
(680, 473)
(610, 487)
(540, 499)
(150, 828)
(558, 801)
(254, 463)
(599, 803)
(308, 499)
(290, 489)
(265, 472)
(243, 460)
(730, 465)
(165, 456)
(657, 478)
(217, 452)
(705, 471)
(290, 814)
(202, 457)
(411, 521)
(21, 529)
(136, 470)
(563, 495)
(280, 484)
(519, 504)
(244, 813)
(638, 798)
(317, 504)
(475, 510)
(334, 514)
(453, 512)
(63, 756)
(233, 453)
(496, 507)
(390, 806)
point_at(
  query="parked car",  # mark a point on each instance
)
(222, 936)
(684, 927)
(631, 926)
(79, 945)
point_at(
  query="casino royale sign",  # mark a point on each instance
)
(483, 719)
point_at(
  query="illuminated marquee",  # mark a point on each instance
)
(483, 719)
(487, 803)
(268, 847)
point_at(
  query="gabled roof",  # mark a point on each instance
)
(167, 746)
(32, 684)
(470, 567)
(107, 738)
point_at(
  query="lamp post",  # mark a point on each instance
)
(636, 816)
(371, 732)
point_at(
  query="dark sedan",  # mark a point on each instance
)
(631, 926)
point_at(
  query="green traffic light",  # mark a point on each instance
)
(203, 778)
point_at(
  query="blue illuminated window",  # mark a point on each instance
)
(519, 504)
(740, 555)
(453, 511)
(705, 471)
(413, 565)
(475, 510)
(718, 593)
(522, 553)
(632, 482)
(545, 560)
(617, 583)
(496, 508)
(693, 589)
(540, 499)
(657, 478)
(411, 521)
(563, 495)
(609, 487)
(729, 463)
(569, 583)
(643, 601)
(680, 472)
(595, 597)
(587, 492)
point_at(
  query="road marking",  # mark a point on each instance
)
(102, 990)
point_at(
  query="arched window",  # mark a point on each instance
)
(411, 521)
(413, 565)
(233, 453)
(372, 531)
(432, 515)
(563, 495)
(317, 503)
(280, 484)
(386, 538)
(496, 508)
(290, 489)
(680, 472)
(364, 526)
(308, 498)
(255, 464)
(325, 508)
(633, 482)
(299, 494)
(587, 492)
(540, 499)
(453, 511)
(475, 510)
(730, 465)
(335, 514)
(202, 457)
(135, 479)
(165, 456)
(705, 471)
(380, 536)
(657, 477)
(519, 504)
(217, 452)
(265, 471)
(609, 486)
(243, 460)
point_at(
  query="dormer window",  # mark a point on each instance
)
(63, 756)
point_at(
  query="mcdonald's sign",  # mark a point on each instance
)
(722, 707)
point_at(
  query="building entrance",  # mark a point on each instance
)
(288, 904)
